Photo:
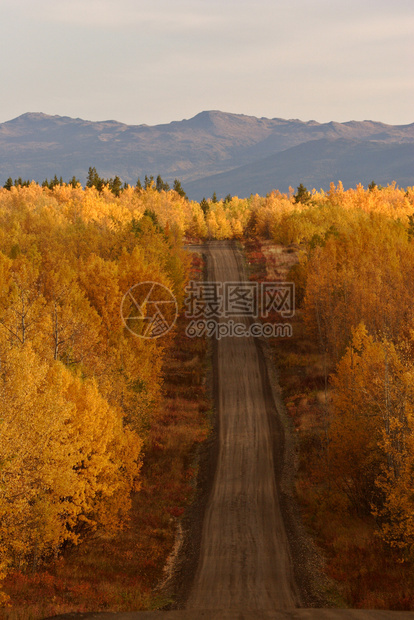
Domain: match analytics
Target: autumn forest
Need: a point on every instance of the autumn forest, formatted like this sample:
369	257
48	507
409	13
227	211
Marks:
100	429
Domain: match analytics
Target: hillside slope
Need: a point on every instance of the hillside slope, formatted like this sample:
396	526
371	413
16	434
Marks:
37	146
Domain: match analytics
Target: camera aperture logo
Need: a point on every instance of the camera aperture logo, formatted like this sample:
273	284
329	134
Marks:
149	310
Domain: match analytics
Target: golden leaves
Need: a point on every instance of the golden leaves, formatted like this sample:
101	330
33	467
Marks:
77	392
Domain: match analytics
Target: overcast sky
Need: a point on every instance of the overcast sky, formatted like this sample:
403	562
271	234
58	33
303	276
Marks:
156	61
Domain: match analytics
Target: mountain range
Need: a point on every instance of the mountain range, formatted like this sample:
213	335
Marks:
212	152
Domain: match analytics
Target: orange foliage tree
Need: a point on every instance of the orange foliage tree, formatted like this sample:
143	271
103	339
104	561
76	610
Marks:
371	435
77	390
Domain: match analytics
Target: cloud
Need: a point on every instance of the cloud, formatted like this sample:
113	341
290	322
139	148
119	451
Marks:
382	28
245	55
115	14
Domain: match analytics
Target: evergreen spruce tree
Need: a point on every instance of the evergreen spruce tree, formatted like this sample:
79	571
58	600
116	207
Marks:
177	187
204	206
93	180
148	181
302	195
161	185
74	182
115	185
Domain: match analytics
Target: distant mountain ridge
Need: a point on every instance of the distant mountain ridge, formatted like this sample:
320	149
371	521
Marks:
213	151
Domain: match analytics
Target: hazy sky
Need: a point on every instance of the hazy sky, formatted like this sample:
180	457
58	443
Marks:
156	61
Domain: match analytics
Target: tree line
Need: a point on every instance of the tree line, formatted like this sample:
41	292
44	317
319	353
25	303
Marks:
93	179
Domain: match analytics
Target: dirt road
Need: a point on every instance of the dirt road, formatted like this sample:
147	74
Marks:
244	562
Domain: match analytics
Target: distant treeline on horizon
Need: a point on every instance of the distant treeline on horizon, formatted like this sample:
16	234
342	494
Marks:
94	180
